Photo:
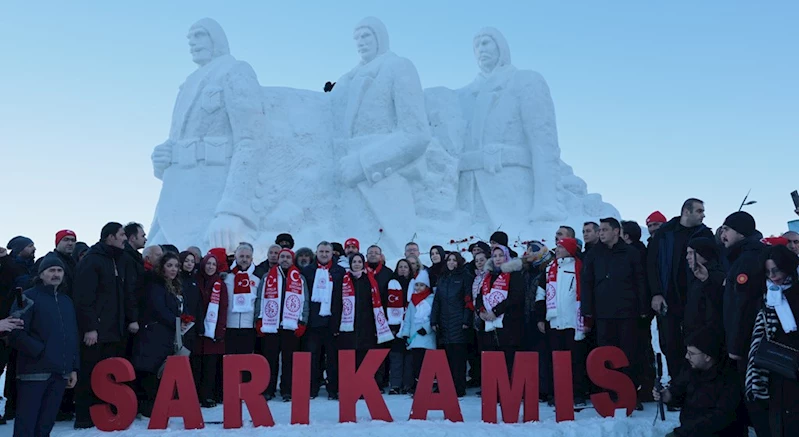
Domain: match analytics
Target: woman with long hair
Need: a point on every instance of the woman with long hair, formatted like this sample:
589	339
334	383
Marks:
400	360
163	305
192	303
213	292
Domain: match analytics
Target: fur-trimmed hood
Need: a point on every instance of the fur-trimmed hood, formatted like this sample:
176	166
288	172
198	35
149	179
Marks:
514	265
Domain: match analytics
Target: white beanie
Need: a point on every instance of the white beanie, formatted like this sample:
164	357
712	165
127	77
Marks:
423	278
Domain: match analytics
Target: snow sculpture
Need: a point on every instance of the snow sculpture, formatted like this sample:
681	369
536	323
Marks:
381	132
209	165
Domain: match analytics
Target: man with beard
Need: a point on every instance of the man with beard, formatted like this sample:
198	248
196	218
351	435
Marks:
668	274
325	279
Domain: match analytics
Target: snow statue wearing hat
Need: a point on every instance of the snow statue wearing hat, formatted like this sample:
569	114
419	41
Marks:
209	163
510	154
381	130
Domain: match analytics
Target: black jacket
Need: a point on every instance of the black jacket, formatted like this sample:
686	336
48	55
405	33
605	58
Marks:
668	272
155	340
705	300
613	283
192	305
7	272
364	335
709	401
69	271
450	314
383	278
743	293
48	344
333	321
134	271
103	301
510	335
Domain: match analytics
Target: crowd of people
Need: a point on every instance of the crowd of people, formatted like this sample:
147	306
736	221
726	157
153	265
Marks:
725	305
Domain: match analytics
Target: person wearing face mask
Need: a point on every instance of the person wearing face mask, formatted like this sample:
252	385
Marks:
156	341
776	323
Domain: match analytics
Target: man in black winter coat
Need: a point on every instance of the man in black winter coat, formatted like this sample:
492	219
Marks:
668	276
614	293
64	246
744	284
106	310
708	391
705	298
323	330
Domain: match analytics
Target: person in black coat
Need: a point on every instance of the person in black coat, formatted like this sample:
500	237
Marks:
614	293
451	318
156	340
192	306
708	391
48	361
437	265
705	300
744	284
507	338
323	330
400	359
105	306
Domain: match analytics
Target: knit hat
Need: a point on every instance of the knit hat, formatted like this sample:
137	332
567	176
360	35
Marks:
287	250
570	244
221	258
482	245
775	241
500	238
285	237
741	222
18	244
423	278
706	247
337	247
352	242
707	340
48	261
64	233
656	217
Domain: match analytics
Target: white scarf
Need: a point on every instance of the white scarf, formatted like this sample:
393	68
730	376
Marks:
775	298
322	290
212	313
273	297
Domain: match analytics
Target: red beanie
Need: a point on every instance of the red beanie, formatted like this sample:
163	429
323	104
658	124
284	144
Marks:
287	250
570	244
656	217
221	258
352	242
775	241
64	233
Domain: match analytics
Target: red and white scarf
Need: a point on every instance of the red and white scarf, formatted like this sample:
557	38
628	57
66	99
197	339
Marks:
423	308
212	313
571	280
396	304
273	300
322	291
493	294
244	289
375	271
348	309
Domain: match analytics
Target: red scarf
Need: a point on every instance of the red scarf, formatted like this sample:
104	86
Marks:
416	298
241	282
326	266
374	271
552	274
289	304
395	299
502	283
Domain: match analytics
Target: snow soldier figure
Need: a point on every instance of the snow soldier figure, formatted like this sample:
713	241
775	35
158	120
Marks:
209	163
381	133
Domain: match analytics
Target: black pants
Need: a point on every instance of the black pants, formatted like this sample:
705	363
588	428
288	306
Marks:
149	384
239	341
672	343
472	356
360	354
10	391
418	358
622	333
646	364
207	376
89	357
456	356
563	340
490	345
38	406
316	340
279	350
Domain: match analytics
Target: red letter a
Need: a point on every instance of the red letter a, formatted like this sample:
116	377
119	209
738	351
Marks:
177	378
251	393
495	383
108	377
611	380
435	366
354	384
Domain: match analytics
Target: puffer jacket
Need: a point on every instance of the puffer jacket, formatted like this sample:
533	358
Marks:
450	313
411	326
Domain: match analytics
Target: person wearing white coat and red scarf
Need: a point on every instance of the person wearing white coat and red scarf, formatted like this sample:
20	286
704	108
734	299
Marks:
559	315
283	306
242	286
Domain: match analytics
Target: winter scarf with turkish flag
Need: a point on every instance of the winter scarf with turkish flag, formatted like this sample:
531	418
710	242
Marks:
348	308
396	304
322	291
273	298
244	289
493	295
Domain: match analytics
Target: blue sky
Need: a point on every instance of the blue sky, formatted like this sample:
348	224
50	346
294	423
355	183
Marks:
655	101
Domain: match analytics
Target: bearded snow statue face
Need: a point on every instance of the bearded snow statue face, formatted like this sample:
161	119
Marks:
200	45
366	42
487	53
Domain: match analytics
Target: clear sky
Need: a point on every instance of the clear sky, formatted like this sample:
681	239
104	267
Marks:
656	101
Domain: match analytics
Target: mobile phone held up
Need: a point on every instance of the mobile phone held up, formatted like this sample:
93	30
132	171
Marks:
795	197
22	306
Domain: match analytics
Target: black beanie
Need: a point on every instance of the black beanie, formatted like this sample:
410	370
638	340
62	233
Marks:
48	261
741	222
500	238
707	340
707	247
285	237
